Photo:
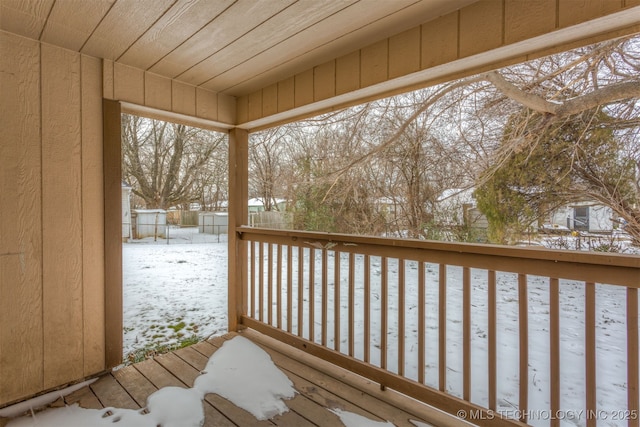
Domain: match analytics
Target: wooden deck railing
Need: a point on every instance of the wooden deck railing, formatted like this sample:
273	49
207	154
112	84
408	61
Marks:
495	335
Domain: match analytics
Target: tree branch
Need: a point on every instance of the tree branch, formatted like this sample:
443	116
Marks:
529	100
601	96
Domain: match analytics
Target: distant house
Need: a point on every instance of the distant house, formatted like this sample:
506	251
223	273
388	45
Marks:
458	206
586	216
257	205
126	212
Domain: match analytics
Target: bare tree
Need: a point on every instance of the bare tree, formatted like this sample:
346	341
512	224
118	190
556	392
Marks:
164	162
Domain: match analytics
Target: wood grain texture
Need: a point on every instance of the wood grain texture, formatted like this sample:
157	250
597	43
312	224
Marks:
21	333
238	63
157	91
526	19
128	84
62	217
27	22
404	53
217	34
348	73
481	27
374	63
109	41
242	106
270	100
324	81
576	11
206	104
71	22
92	216
255	105
183	98
238	215
227	109
286	94
176	26
440	40
303	92
108	79
112	143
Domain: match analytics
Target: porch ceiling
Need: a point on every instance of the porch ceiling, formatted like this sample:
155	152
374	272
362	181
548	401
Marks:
227	46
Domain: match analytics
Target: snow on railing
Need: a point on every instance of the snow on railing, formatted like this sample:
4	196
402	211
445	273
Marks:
495	335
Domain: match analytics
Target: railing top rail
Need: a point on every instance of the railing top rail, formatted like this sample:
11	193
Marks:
558	255
575	265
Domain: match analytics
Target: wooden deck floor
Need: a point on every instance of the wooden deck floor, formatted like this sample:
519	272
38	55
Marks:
320	386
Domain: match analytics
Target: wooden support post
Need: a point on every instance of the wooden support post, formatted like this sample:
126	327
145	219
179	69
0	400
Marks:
112	232
238	215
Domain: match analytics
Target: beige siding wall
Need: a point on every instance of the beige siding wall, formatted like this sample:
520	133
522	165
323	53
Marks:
477	28
135	86
51	210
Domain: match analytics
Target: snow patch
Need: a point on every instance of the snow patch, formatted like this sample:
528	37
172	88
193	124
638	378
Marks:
248	378
41	401
349	419
240	371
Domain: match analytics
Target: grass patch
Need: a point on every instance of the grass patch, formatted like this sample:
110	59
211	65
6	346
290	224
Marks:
178	327
153	350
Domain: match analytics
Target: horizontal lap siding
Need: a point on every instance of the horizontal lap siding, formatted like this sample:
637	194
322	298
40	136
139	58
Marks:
51	242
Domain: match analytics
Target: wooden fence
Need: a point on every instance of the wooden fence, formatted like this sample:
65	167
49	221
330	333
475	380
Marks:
495	335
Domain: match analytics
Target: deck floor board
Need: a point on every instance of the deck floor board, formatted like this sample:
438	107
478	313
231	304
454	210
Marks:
320	388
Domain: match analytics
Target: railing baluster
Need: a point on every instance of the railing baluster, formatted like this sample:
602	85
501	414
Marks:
252	252
336	300
633	394
279	286
492	338
421	322
270	283
289	288
401	319
325	297
261	281
300	291
523	321
466	333
590	351
367	308
384	285
442	327
352	302
312	294
554	348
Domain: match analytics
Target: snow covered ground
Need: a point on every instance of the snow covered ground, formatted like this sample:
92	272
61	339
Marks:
174	290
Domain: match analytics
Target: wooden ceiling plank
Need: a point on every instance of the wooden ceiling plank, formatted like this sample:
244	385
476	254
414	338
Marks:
181	22
24	17
230	25
124	24
71	22
298	19
323	42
